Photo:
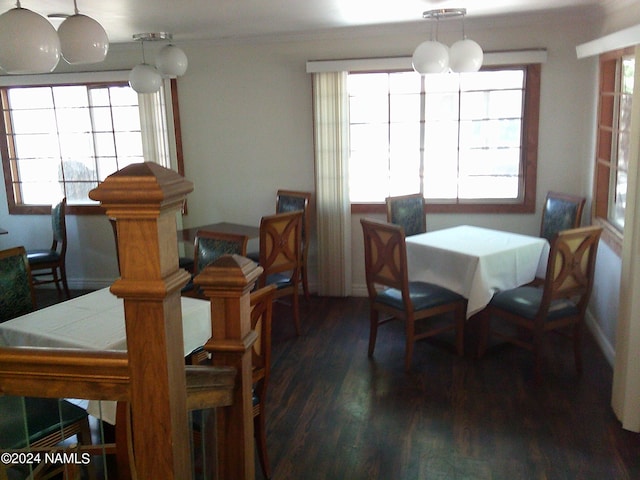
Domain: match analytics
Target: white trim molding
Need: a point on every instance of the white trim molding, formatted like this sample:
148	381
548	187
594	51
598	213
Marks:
614	41
506	57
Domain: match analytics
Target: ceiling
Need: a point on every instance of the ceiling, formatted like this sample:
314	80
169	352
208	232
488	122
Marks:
218	19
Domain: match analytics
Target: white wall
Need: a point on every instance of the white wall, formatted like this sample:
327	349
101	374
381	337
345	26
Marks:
246	116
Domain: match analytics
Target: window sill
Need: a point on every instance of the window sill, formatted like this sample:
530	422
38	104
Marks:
452	208
610	235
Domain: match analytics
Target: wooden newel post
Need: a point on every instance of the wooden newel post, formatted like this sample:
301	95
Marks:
145	199
228	283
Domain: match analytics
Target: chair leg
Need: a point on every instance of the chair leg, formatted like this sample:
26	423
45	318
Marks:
373	330
84	438
296	311
305	283
410	329
261	441
577	347
484	320
460	319
63	277
537	357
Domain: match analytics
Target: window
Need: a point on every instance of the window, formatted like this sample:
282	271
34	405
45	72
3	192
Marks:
467	142
617	71
63	140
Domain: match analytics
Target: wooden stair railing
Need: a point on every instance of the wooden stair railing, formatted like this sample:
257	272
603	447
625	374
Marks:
73	373
144	199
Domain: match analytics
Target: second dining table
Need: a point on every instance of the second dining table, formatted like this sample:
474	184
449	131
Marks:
476	262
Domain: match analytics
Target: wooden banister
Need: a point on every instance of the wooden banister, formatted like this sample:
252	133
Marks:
228	283
60	373
144	199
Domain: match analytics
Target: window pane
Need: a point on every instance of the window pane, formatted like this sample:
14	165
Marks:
29	98
65	97
62	139
33	121
460	136
73	120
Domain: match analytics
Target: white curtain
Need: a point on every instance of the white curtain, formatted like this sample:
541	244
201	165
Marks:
331	135
626	376
153	123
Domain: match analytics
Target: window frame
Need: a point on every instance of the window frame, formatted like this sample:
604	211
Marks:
607	74
530	129
19	209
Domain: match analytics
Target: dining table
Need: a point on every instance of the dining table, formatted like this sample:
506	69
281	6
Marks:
95	321
476	262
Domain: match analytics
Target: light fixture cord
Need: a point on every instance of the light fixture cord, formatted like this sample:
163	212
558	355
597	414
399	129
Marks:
18	4
464	35
75	7
142	47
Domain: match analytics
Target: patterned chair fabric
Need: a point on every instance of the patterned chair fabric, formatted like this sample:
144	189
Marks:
16	289
561	212
209	246
408	212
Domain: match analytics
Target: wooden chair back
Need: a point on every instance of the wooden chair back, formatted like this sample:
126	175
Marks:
571	266
261	315
385	258
16	288
407	211
280	244
562	211
290	201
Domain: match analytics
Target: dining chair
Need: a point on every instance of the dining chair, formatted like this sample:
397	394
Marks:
261	314
392	294
559	304
290	201
408	211
561	211
208	247
49	265
38	424
16	287
30	421
280	257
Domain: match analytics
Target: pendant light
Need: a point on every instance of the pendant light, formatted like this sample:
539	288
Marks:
28	42
82	39
432	56
170	62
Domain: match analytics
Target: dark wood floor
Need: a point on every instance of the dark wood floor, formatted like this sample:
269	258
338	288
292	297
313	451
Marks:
334	413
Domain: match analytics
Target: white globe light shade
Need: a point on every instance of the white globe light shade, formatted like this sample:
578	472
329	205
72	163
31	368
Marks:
465	56
431	57
28	42
82	40
144	78
171	61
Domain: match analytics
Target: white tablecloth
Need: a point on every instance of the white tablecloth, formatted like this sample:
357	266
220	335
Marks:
476	262
96	322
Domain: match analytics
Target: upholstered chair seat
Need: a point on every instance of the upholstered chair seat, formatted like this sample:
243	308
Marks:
422	295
